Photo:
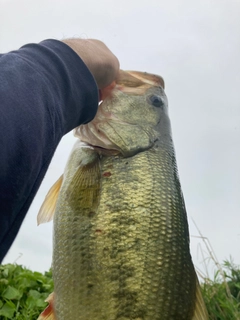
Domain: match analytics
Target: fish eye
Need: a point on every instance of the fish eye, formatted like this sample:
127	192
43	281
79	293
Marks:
156	101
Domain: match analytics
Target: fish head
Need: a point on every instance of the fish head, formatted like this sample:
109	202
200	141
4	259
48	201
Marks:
130	118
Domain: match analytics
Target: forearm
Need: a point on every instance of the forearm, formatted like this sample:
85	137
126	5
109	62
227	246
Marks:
45	91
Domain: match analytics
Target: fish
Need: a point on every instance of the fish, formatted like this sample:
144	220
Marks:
121	237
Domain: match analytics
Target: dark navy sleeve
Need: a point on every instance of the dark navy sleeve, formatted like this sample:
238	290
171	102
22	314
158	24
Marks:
45	91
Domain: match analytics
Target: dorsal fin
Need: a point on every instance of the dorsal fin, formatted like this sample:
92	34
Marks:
48	207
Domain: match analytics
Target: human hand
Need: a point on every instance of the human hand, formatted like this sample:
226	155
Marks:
102	63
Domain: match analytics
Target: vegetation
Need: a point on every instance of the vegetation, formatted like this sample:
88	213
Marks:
222	294
22	292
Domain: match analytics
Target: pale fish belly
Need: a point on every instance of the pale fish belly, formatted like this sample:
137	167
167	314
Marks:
124	253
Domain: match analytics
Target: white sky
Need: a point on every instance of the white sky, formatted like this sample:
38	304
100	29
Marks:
195	46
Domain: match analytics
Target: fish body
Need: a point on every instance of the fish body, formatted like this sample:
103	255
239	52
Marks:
121	240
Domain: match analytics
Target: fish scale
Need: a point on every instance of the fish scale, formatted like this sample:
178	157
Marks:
156	235
121	239
129	255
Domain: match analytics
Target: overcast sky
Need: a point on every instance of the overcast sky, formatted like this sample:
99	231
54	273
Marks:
195	46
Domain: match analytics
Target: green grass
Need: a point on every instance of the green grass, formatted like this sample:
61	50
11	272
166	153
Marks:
23	292
222	294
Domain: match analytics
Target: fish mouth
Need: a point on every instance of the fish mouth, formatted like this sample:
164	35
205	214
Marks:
135	80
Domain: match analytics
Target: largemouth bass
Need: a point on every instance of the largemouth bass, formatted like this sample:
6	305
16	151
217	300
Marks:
121	239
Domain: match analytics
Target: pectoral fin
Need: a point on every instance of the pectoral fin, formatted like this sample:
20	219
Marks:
83	191
48	207
48	313
200	312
